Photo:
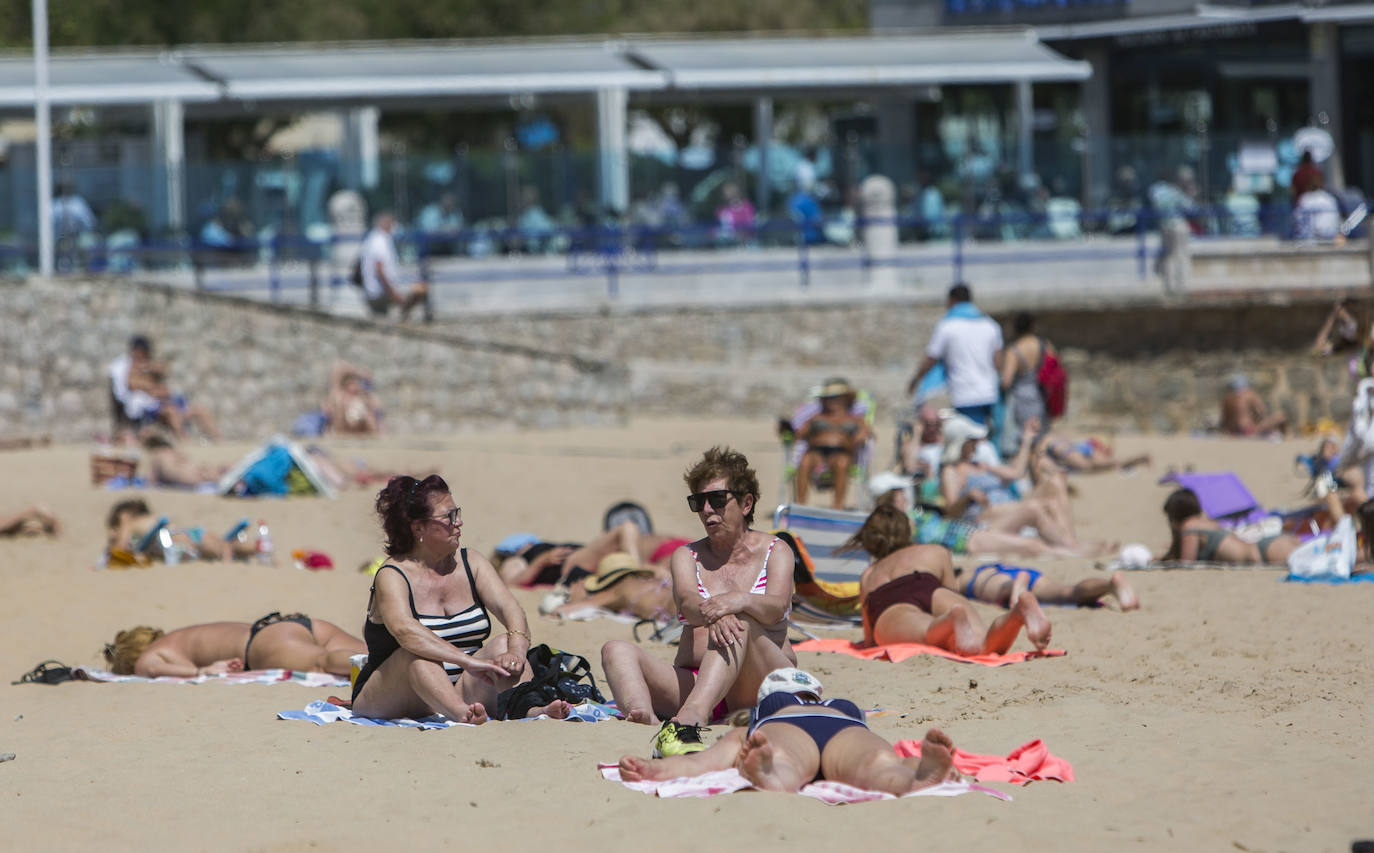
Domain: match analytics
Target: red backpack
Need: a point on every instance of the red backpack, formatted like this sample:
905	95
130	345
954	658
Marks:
1054	382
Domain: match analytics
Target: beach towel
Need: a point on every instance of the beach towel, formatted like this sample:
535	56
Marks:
320	712
898	652
831	793
209	487
1028	763
1223	495
1186	564
252	676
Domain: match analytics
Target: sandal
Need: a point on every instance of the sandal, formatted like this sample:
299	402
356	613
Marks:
47	672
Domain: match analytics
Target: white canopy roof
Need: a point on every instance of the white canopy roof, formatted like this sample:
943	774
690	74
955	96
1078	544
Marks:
378	71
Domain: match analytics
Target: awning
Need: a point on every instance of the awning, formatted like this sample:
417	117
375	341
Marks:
376	72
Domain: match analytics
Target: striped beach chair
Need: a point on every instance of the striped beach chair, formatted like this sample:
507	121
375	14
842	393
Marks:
826	580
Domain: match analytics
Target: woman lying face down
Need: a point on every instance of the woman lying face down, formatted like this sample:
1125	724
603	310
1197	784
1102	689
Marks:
294	641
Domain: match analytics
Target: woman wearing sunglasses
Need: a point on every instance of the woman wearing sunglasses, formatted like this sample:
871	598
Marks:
733	590
429	619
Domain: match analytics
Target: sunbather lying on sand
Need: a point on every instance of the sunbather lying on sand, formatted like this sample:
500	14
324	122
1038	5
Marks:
1198	538
622	586
1086	455
131	521
794	738
907	597
525	561
294	641
34	520
168	466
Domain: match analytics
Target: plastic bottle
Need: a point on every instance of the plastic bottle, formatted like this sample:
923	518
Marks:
266	553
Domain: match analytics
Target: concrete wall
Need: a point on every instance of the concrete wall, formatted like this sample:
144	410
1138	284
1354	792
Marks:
257	367
1145	366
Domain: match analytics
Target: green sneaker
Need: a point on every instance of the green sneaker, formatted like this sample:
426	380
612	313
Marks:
675	738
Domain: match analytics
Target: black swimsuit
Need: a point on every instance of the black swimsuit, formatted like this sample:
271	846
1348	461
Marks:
271	619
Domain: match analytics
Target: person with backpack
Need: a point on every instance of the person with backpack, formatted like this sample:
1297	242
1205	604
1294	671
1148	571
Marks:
1024	364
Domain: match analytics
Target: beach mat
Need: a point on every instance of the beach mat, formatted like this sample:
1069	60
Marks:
898	652
1029	762
320	712
831	793
252	676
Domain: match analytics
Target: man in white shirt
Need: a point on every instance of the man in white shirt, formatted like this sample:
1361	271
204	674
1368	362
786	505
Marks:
969	343
381	271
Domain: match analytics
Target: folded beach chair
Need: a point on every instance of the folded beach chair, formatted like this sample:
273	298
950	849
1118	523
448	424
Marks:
793	448
826	579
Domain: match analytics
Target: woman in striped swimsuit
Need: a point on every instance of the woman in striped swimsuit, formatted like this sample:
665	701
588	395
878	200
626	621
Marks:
428	629
733	590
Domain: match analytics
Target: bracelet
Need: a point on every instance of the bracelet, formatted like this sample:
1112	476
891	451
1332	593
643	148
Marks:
518	634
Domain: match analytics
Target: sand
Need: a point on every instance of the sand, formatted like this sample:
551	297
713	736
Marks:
1228	713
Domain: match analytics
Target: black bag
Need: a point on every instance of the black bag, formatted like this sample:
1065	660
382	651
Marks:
47	672
355	274
553	674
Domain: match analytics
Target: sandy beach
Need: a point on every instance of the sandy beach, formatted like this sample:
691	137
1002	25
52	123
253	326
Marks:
1229	713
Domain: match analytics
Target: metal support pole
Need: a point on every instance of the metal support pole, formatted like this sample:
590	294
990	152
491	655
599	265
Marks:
1025	127
763	139
44	140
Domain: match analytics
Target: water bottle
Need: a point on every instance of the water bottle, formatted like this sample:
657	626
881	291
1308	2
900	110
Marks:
266	553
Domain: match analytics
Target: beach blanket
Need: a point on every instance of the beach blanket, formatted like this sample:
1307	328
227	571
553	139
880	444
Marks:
1361	578
831	793
591	611
209	487
320	712
1186	564
1029	762
898	652
252	676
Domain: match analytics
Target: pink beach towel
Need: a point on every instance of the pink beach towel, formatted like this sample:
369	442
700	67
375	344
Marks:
898	652
831	793
1029	762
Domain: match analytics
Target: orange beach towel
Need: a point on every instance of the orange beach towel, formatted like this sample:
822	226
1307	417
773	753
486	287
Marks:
898	652
1027	763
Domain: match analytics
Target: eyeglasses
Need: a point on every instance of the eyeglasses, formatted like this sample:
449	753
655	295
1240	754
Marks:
453	516
717	498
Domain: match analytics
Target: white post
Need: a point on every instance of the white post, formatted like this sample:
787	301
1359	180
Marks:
44	140
169	134
763	140
361	147
612	106
1025	120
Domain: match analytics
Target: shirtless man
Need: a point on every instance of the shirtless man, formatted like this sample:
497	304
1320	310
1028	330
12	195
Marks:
1244	414
170	467
294	641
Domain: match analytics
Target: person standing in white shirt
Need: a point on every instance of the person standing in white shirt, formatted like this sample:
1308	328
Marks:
969	344
380	269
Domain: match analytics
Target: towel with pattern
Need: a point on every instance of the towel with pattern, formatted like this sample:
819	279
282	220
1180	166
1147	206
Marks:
321	712
252	676
898	652
831	793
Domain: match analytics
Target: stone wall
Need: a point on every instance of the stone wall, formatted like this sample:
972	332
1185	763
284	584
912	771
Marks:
257	367
1147	366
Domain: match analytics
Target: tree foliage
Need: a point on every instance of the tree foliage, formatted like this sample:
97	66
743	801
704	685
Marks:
162	23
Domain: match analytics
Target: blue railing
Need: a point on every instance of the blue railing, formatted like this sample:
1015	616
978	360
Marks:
281	263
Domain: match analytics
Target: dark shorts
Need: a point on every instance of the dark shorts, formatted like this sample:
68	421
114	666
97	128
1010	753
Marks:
380	306
272	619
917	588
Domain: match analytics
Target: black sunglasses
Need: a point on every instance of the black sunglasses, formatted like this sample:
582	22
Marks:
717	499
453	516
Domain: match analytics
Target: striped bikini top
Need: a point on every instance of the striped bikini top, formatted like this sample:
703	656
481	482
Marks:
465	630
760	583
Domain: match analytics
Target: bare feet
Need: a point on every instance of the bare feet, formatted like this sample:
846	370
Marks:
755	763
45	516
967	639
1037	625
937	761
1123	592
642	717
557	709
636	769
474	713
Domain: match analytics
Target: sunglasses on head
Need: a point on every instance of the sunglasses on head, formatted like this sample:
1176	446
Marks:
453	516
717	498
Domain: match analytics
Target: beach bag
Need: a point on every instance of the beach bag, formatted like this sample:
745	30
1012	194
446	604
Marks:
1329	556
1053	381
553	674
